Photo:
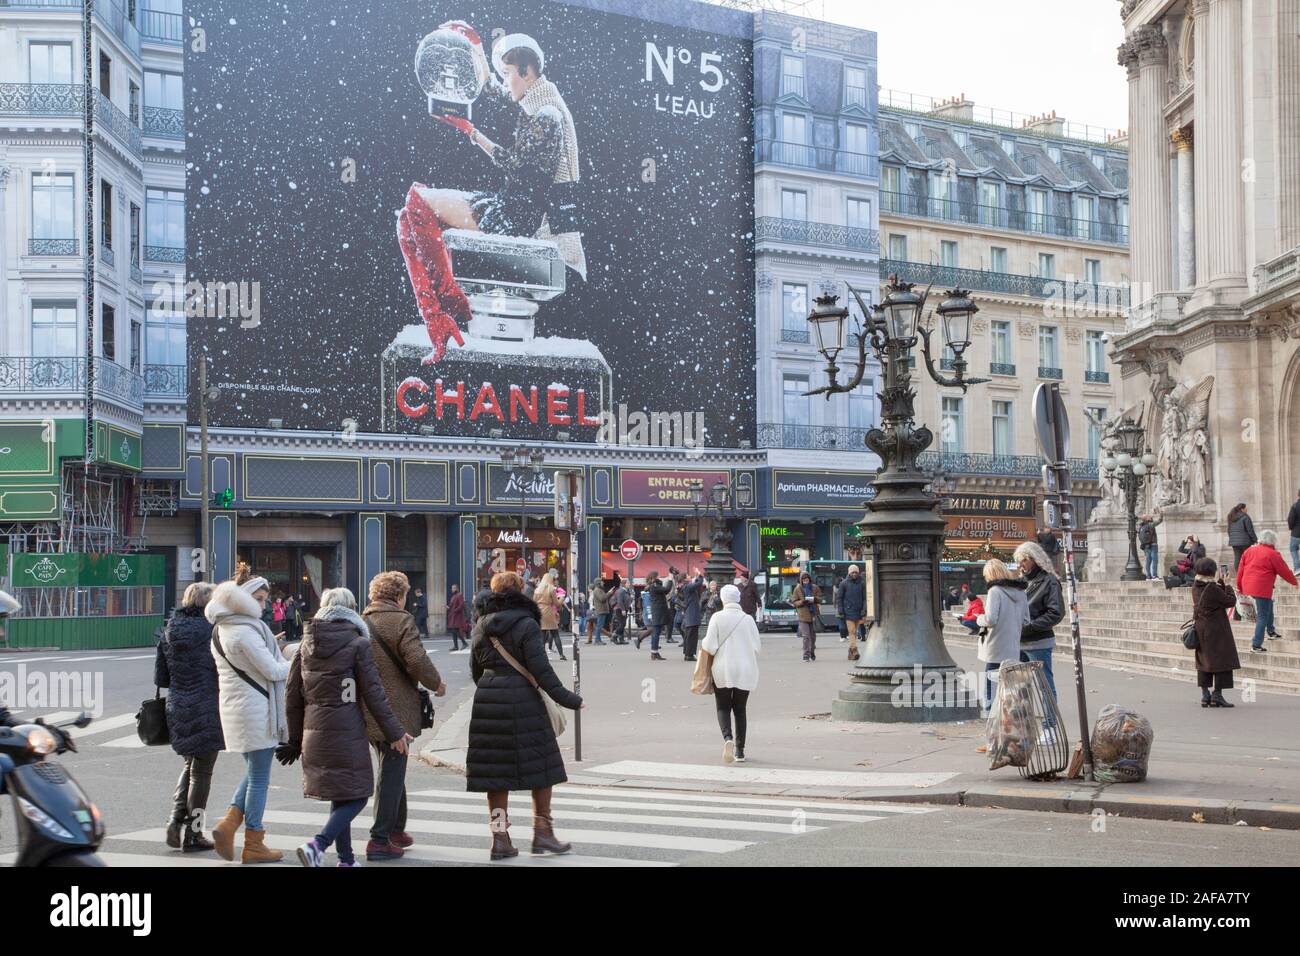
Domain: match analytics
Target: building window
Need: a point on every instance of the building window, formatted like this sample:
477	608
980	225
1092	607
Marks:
1046	265
1048	353
1092	271
1083	217
165	339
1096	418
951	439
856	139
791	75
794	204
794	129
794	403
164	90
1003	441
133	102
54	330
1096	351
794	306
998	259
49	63
961	137
897	246
1038	210
106	214
855	86
1055	153
165	218
53	206
105	75
1001	352
135	235
135	346
990	203
108	333
948	254
862	406
889	186
857	213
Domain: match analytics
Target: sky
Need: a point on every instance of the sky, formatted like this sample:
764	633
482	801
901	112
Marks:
1024	56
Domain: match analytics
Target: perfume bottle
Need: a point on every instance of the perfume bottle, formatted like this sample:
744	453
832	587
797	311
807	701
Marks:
504	378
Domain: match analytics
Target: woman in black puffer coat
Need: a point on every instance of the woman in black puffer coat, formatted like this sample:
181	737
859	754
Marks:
185	667
511	743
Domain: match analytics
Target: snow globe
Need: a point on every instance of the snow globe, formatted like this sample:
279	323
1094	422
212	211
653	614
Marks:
445	68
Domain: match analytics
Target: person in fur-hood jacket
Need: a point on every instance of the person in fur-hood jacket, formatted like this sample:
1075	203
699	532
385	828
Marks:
511	743
251	675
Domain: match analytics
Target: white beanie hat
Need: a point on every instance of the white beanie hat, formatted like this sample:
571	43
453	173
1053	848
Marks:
730	594
255	584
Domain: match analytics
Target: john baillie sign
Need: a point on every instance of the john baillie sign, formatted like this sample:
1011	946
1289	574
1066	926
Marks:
990	506
822	490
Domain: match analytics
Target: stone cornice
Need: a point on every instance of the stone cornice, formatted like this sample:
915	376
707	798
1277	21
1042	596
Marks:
1182	137
1152	50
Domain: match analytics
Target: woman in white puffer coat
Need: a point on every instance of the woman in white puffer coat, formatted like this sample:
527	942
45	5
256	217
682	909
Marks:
251	675
733	641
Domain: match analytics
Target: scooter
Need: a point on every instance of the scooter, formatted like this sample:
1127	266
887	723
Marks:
57	823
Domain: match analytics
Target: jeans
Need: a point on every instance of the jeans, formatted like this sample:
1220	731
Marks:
1295	553
655	629
338	828
731	700
1044	655
191	794
1153	560
250	796
390	794
809	631
969	623
691	639
987	684
844	629
601	621
1263	620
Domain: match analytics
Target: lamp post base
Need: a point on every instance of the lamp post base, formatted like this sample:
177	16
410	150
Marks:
921	695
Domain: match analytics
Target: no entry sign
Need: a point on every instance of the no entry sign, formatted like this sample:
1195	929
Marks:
630	549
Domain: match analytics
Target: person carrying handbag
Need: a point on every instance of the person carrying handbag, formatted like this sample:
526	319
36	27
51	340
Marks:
403	666
512	738
733	645
1216	649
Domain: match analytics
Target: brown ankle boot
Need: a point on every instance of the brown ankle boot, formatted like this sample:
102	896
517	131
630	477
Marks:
256	850
502	848
223	834
544	840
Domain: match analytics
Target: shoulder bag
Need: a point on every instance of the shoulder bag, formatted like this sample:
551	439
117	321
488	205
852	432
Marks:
554	712
151	721
702	678
426	701
216	642
1190	640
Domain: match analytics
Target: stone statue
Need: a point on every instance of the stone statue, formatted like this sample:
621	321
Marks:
1112	492
1182	473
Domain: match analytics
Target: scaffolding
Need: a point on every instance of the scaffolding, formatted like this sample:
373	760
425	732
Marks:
38	537
94	507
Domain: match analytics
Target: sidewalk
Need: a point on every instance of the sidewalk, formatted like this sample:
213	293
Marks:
643	728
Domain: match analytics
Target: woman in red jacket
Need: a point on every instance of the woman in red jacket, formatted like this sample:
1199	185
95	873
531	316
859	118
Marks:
973	611
1258	570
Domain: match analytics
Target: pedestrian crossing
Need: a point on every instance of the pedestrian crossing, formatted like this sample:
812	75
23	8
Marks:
608	826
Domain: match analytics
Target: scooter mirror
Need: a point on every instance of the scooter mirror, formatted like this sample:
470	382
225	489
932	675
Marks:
82	721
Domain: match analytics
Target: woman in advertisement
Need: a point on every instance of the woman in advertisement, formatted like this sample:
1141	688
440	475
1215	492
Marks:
542	153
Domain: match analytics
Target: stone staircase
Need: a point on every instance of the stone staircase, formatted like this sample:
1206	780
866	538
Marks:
1136	626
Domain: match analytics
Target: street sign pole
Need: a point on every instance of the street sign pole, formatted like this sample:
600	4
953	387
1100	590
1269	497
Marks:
575	516
1053	426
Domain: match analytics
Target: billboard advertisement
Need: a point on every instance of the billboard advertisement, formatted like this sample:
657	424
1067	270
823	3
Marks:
521	217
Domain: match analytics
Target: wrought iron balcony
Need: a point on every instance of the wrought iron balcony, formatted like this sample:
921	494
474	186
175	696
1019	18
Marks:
1002	368
1016	466
1101	378
164	123
52	247
165	381
816	437
41	99
824	158
816	234
136	274
794	335
28	374
120	21
161	26
118	123
791	85
113	381
1049	371
1019	220
165	254
1072	295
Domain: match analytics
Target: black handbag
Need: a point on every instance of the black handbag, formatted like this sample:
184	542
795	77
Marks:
151	721
1190	640
426	701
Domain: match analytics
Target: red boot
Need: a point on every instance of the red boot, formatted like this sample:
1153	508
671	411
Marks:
441	302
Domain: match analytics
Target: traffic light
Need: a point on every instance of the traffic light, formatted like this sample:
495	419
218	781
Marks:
224	498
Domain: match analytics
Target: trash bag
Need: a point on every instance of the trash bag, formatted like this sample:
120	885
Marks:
1012	728
1246	607
1121	745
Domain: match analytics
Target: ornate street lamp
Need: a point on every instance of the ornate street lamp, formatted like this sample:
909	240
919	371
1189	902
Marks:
904	523
1130	467
523	461
720	566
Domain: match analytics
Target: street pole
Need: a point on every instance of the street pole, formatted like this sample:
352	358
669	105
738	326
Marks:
523	526
204	491
1132	568
572	480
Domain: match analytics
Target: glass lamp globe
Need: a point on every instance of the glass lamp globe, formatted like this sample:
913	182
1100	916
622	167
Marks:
1148	459
444	67
1139	468
1109	463
1124	459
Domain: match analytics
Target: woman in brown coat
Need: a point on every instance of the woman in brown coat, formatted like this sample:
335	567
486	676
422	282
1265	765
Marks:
548	602
331	674
403	666
1216	649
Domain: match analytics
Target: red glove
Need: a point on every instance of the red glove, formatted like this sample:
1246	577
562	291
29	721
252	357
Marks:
458	122
464	29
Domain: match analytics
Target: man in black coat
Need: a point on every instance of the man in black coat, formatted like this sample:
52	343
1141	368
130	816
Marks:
420	611
1293	522
748	594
